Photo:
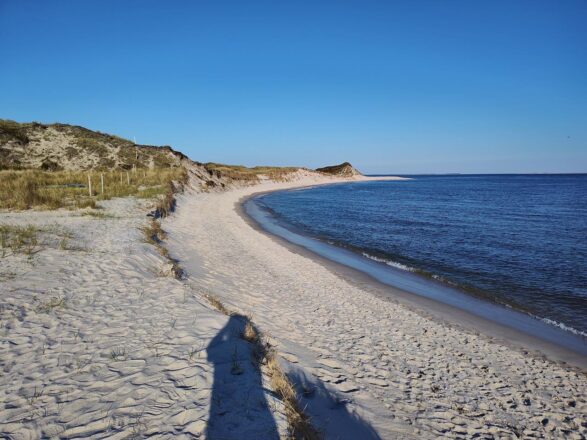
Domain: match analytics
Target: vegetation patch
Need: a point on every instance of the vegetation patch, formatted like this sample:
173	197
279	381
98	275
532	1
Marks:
242	173
265	355
19	239
28	189
98	214
10	130
71	147
30	239
51	304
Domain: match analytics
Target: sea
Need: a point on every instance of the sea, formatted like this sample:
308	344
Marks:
513	241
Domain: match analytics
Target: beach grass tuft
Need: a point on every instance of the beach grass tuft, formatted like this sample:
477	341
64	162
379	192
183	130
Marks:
250	334
153	233
56	302
118	353
265	354
19	239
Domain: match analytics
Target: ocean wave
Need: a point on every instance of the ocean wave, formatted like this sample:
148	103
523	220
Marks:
415	270
401	266
390	263
564	327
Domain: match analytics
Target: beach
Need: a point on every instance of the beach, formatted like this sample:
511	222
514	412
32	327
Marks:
100	340
396	369
108	333
293	220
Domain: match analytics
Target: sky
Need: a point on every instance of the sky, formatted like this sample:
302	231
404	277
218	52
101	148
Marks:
400	87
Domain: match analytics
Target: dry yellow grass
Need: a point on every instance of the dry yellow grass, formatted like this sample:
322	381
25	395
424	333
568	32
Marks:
265	354
214	302
30	239
299	422
153	232
239	172
250	333
18	239
37	189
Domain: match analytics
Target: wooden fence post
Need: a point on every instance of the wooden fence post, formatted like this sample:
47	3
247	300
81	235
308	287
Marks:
127	178
90	184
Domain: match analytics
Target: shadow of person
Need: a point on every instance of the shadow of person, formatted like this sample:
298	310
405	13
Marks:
238	407
329	409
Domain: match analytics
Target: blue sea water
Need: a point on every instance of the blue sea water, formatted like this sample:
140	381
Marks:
517	240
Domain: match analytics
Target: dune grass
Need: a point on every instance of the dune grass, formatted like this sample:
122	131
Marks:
265	355
239	172
31	239
18	239
28	189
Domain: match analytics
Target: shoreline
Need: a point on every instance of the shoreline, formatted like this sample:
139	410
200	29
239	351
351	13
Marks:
367	364
455	316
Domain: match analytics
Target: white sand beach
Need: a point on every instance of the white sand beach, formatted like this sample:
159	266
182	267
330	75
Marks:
100	341
393	368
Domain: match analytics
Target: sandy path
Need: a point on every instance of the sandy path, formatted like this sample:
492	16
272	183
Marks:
392	368
96	344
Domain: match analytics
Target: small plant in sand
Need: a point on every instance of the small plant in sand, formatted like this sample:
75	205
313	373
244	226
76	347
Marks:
82	362
98	214
250	333
55	302
118	353
153	233
77	335
63	243
156	348
19	239
138	425
214	302
35	395
192	352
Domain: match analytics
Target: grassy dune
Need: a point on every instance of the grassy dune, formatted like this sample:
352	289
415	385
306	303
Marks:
28	189
239	172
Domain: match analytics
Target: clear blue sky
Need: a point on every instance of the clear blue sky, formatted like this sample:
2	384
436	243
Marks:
399	87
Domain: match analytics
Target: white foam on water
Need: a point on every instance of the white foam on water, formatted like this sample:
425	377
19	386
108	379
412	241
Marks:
390	263
564	327
439	278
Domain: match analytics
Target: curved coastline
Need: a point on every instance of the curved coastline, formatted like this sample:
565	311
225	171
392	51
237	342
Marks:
398	361
449	305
